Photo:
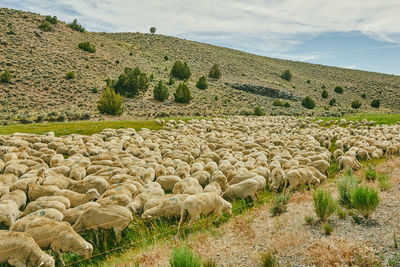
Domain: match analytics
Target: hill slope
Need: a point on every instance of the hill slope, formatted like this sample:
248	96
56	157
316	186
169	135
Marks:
40	60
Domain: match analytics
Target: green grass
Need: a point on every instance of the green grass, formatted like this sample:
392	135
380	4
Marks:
82	127
379	118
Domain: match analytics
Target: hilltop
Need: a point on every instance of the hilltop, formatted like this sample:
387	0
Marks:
39	61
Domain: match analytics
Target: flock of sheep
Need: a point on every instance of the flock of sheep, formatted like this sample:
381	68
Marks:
52	189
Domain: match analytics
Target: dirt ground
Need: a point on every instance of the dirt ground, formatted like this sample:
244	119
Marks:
242	240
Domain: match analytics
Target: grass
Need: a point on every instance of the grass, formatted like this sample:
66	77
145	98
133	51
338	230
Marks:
269	260
384	181
327	228
82	127
365	200
279	204
184	257
379	118
324	204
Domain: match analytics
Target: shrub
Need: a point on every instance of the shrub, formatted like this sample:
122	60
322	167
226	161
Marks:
180	70
87	46
202	83
52	20
269	260
279	205
338	90
209	263
346	184
341	213
365	200
332	102
153	30
324	204
356	219
171	80
364	95
130	83
110	102
5	77
370	174
327	228
95	90
286	75
214	72
76	26
324	94
375	103
384	181
323	86
184	257
277	103
356	104
308	81
70	75
117	61
308	102
45	26
286	105
161	92
182	93
309	220
258	111
166	58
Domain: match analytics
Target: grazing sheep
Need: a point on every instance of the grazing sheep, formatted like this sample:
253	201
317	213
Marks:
90	182
105	217
9	212
244	189
72	215
38	205
52	214
203	204
18	196
19	249
166	208
36	191
187	186
59	237
213	187
120	200
167	182
77	199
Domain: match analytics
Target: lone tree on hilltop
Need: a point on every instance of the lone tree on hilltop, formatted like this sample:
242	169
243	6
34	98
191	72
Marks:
153	30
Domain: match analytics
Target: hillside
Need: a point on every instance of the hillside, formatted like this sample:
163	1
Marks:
39	61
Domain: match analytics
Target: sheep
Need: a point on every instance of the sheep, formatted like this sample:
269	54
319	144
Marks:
167	182
9	212
120	200
36	191
77	172
77	199
8	178
337	153
53	214
72	215
300	176
213	187
20	249
346	161
59	237
244	189
321	165
104	217
167	207
38	205
89	182
18	196
203	204
277	178
202	177
187	186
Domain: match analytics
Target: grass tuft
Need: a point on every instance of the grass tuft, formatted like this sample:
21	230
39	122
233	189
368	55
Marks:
184	257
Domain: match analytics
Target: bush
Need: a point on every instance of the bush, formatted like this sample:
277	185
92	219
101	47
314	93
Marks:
171	80
184	257
258	111
375	103
214	72
45	26
327	228
370	174
308	81
5	77
365	200
87	46
323	86
95	90
110	102
277	103
308	102
332	102
52	20
209	263
324	204
76	26
324	94
338	90
286	105
309	220
153	30
279	205
161	92
269	260
341	214
180	71
364	95
384	181
202	83
166	58
130	83
356	104
347	183
70	75
286	75
182	93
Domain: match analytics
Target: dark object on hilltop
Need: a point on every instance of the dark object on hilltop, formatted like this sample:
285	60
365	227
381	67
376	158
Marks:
153	30
76	26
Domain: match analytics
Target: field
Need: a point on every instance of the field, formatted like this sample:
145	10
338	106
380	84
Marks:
379	118
39	89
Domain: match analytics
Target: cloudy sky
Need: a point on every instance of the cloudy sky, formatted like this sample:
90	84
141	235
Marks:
358	34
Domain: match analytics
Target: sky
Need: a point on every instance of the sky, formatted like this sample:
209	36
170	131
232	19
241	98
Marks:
356	34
